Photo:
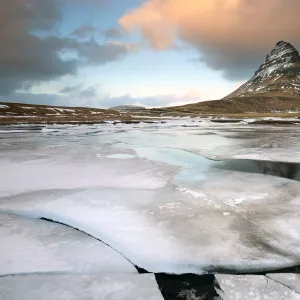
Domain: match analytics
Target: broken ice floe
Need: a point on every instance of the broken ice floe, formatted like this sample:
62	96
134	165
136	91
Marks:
149	194
291	281
170	230
37	246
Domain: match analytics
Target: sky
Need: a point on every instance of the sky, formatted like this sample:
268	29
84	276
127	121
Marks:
104	53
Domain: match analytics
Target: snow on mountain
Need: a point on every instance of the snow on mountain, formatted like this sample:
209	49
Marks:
279	74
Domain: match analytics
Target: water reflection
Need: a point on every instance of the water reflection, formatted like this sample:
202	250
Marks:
279	169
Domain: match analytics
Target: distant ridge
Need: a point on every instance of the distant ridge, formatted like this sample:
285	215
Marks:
32	113
128	107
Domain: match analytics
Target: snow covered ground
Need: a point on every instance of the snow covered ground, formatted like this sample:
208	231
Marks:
150	192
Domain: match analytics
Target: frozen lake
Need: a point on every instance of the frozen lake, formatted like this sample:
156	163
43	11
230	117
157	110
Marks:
183	196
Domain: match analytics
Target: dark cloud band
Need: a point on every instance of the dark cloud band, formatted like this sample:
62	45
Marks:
31	50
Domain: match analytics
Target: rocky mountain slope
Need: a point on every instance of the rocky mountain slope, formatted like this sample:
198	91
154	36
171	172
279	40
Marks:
278	76
275	87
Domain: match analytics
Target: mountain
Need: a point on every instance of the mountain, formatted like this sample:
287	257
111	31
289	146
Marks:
275	87
280	74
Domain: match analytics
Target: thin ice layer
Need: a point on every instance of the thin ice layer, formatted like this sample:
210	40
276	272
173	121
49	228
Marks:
230	222
268	207
252	287
223	141
73	159
49	174
79	287
37	246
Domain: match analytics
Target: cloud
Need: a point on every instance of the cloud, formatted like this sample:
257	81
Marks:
83	98
232	36
30	98
88	93
151	101
91	52
25	57
31	51
70	89
85	31
78	90
113	32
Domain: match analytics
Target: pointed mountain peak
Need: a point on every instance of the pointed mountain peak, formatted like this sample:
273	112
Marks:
283	52
279	75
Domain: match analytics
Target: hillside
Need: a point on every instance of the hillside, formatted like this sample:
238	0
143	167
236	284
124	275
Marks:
279	75
128	108
29	113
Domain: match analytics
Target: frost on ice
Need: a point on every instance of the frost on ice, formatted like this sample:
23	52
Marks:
291	281
253	287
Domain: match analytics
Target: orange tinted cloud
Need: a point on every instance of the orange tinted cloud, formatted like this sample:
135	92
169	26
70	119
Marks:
231	35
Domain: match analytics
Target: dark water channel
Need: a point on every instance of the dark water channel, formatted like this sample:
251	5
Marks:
279	169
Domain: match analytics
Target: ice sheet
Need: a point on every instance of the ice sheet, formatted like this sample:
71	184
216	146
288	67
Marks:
238	141
48	174
79	287
230	223
74	158
36	246
253	287
145	190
